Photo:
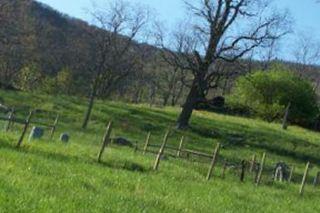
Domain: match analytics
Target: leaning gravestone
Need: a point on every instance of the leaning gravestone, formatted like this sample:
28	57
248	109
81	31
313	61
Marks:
281	172
64	137
36	133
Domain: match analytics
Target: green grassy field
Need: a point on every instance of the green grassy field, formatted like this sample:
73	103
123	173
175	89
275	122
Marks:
49	176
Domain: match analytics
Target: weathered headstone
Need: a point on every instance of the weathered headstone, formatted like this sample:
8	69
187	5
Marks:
64	137
36	133
122	142
281	172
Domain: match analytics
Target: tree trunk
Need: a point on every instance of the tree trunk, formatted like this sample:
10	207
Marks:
285	118
165	99
136	96
91	102
89	109
187	108
152	94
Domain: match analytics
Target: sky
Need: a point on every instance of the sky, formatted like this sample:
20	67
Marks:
306	13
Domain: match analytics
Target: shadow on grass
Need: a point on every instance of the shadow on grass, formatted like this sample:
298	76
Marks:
120	165
125	165
232	135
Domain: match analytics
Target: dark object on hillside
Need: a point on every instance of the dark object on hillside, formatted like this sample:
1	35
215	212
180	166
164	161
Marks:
36	133
133	167
64	137
219	105
213	104
281	172
243	168
218	101
122	142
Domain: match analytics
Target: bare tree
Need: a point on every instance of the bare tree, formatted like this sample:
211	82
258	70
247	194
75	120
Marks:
167	78
171	84
119	24
220	32
306	53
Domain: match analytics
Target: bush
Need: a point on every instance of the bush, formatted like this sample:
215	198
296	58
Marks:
267	93
29	78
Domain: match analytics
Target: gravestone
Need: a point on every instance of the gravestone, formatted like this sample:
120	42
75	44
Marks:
281	172
64	137
164	157
122	142
36	133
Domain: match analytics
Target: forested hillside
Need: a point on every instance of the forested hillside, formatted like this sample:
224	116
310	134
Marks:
53	47
60	52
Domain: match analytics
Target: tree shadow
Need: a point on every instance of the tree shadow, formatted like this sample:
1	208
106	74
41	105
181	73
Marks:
120	165
125	165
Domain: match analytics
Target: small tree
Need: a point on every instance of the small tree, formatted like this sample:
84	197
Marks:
29	78
49	85
268	93
65	81
119	25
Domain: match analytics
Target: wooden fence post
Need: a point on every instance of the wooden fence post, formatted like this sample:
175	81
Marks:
243	168
291	174
258	180
53	129
316	179
252	163
136	147
304	179
10	120
161	150
224	168
180	147
25	128
145	148
213	162
105	141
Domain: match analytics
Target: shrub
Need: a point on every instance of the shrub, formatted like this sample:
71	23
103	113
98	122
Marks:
29	78
267	93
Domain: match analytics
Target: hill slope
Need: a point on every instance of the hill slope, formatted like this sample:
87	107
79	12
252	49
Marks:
48	176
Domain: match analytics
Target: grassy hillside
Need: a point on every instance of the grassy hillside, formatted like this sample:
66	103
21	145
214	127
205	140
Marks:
49	176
